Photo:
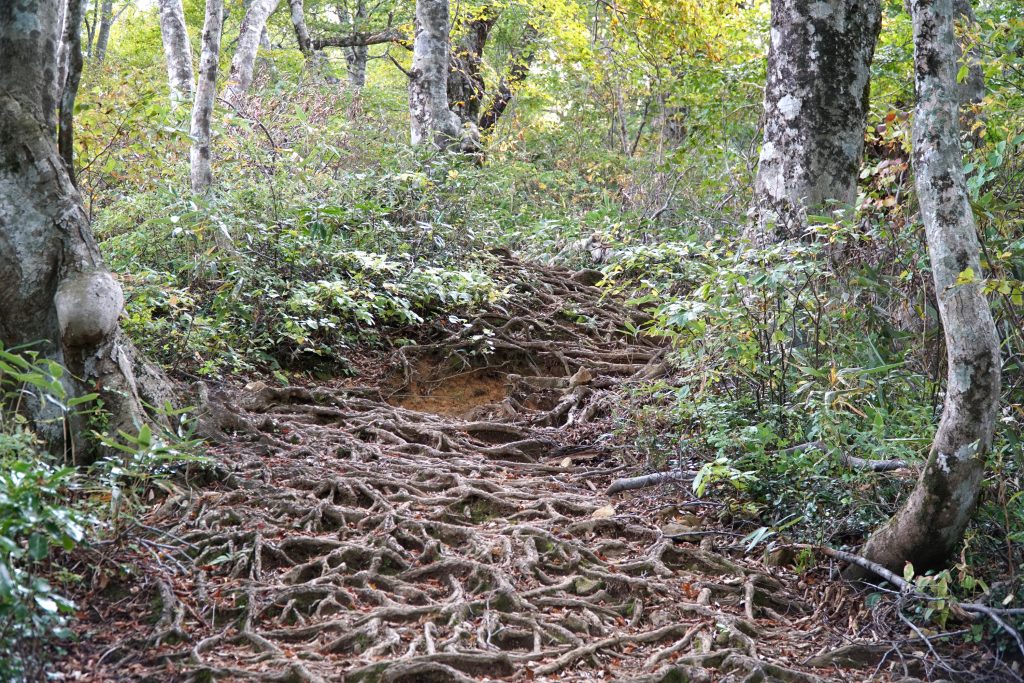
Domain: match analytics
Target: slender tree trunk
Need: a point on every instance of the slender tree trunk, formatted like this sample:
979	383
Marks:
315	60
298	15
177	50
242	63
356	58
58	296
357	55
465	82
206	94
931	524
106	21
815	111
433	123
69	90
519	67
61	73
971	89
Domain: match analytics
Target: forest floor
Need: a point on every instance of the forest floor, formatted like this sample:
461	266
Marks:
444	517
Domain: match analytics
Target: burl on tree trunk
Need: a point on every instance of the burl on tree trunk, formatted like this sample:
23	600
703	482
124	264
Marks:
930	526
59	299
815	112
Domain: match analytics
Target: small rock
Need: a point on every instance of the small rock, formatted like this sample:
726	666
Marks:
779	557
603	512
582	376
587	276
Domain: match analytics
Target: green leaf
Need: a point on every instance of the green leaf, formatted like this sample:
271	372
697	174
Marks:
47	603
38	546
908	572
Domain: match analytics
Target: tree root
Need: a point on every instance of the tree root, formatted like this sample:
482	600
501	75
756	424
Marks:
360	540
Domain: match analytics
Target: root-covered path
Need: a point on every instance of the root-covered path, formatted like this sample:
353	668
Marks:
447	522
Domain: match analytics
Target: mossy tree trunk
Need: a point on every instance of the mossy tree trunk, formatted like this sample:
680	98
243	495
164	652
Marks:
815	111
930	525
58	297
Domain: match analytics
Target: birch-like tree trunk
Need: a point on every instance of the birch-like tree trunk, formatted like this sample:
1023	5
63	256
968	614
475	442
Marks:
316	62
206	95
432	121
58	297
815	111
177	50
103	37
931	524
253	25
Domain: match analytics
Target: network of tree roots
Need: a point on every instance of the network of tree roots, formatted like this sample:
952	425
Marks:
446	521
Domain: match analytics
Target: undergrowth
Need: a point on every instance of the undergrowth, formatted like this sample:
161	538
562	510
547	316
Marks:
50	511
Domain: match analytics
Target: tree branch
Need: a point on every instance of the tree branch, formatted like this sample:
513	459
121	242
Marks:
388	35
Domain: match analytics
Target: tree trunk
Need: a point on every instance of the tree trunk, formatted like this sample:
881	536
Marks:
465	82
106	21
356	56
206	94
58	296
518	67
315	60
931	524
69	90
433	123
255	21
177	50
815	111
61	73
971	90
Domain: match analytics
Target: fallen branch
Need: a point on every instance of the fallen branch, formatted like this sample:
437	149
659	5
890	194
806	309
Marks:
630	483
851	461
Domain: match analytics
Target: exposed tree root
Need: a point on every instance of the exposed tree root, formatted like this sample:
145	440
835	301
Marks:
354	538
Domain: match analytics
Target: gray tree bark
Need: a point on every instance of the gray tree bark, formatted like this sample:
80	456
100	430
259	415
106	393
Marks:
815	108
433	123
466	88
72	39
972	88
103	37
356	56
253	25
519	63
931	524
177	50
206	95
316	62
58	297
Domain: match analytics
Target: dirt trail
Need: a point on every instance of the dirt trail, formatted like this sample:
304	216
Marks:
448	523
